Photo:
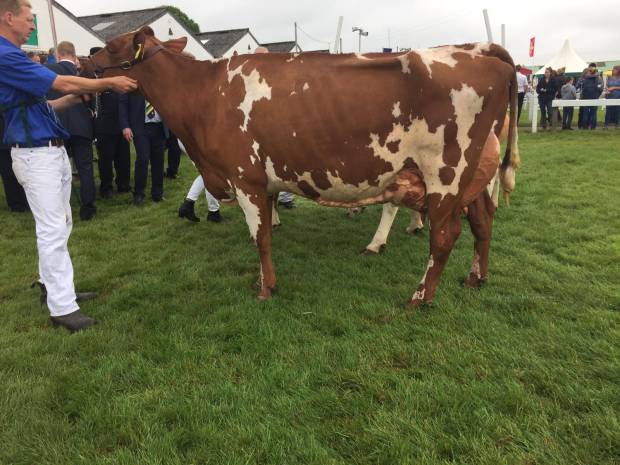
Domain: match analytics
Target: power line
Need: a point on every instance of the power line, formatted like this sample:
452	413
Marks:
314	38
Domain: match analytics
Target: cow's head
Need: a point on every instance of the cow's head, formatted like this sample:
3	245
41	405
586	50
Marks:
123	53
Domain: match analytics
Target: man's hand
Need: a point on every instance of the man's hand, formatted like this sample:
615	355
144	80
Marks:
128	134
122	84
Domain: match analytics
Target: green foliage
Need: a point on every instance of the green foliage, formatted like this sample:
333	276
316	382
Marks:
186	367
188	22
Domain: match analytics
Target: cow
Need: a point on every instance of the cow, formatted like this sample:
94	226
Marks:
342	130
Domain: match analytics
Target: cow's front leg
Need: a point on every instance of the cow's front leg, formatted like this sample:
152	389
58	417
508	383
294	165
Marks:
443	234
480	216
257	210
380	239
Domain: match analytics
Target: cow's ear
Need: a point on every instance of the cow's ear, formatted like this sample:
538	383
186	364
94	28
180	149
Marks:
176	45
141	35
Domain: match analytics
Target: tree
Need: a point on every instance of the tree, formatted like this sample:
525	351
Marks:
185	20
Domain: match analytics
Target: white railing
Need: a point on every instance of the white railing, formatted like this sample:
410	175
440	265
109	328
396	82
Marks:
559	103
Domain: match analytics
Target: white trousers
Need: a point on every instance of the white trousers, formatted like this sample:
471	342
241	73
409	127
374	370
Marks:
45	175
286	197
194	192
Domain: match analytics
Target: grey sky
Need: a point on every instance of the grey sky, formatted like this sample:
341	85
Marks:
592	27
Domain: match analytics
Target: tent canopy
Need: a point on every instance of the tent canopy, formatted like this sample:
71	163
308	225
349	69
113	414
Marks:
566	58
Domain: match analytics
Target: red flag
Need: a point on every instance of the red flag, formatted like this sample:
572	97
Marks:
532	44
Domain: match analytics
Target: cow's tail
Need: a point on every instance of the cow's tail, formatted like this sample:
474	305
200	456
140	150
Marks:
512	160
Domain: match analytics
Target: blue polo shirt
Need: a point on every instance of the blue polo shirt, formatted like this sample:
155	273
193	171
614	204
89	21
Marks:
21	81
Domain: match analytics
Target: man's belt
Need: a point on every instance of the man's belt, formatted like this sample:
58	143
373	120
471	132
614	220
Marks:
56	142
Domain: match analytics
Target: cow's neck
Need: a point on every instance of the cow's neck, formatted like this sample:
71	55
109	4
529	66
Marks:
177	88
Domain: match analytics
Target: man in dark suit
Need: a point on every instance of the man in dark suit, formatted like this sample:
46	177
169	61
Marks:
112	147
13	191
142	124
174	156
78	121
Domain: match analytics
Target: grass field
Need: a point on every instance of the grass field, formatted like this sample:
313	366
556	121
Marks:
186	367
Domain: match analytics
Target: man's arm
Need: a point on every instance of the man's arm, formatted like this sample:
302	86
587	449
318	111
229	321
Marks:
64	102
78	85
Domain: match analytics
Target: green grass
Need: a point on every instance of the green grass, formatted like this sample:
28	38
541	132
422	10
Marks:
186	367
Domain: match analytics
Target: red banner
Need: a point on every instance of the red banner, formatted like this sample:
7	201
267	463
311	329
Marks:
532	44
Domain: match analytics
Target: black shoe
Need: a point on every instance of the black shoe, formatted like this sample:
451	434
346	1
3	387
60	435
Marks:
186	210
159	199
107	195
215	217
287	205
138	200
170	175
75	321
79	296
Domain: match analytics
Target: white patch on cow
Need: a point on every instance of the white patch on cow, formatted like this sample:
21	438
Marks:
223	94
404	60
306	87
285	168
240	169
235	72
490	87
467	104
359	56
291	59
445	55
396	110
256	89
293	93
419	295
430	264
253	159
251	212
274	182
294	134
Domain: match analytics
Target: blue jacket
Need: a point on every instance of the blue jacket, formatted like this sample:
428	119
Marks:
131	109
591	87
77	119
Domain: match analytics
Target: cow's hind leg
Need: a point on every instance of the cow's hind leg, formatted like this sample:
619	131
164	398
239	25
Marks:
480	216
380	239
444	231
257	210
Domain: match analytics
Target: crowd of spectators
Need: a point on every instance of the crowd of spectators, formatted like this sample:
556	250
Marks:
590	85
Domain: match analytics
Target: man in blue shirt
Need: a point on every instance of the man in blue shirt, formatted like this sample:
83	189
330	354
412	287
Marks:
39	158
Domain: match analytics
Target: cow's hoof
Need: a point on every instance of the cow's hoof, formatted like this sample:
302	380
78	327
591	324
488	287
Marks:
417	304
368	251
414	231
265	294
473	281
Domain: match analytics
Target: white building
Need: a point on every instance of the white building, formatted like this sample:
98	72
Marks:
165	26
224	44
68	27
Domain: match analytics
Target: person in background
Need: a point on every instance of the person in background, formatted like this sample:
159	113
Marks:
174	156
568	92
114	158
612	113
142	124
13	191
546	92
186	210
522	88
40	160
34	57
51	56
78	121
591	89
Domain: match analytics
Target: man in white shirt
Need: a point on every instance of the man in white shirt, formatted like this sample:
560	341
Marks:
522	87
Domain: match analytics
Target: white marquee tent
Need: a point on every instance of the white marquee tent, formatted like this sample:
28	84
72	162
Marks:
565	58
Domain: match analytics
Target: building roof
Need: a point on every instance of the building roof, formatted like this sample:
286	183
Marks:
77	20
110	25
280	47
219	42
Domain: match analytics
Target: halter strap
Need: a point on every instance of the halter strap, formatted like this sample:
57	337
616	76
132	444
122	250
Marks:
141	55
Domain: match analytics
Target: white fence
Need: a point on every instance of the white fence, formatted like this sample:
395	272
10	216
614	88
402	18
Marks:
559	103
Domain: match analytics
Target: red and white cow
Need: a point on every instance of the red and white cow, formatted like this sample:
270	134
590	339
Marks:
343	130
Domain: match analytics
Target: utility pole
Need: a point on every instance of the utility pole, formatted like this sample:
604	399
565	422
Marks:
504	35
361	33
487	23
53	24
296	45
338	32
